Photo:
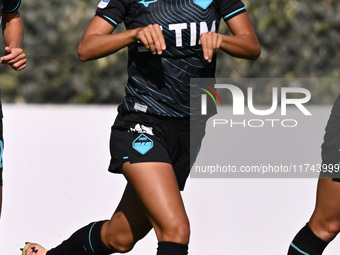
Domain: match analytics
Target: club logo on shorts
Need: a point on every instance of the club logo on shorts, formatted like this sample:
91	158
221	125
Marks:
203	3
142	144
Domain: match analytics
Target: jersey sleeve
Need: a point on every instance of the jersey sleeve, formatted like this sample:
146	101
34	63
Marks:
11	6
230	8
113	11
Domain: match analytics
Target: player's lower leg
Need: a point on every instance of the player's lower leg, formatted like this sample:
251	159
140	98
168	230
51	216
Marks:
324	224
86	241
306	242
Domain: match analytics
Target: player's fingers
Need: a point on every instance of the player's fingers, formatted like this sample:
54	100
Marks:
17	65
150	40
145	36
154	43
158	38
216	41
209	51
7	59
141	38
157	42
12	55
13	58
20	65
204	45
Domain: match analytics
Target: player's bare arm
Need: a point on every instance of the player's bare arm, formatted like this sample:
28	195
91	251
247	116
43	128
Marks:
242	44
98	40
13	36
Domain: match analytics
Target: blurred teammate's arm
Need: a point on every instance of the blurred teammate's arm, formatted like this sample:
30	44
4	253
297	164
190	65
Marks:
13	31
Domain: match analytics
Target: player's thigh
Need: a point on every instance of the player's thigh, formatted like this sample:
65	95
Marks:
156	186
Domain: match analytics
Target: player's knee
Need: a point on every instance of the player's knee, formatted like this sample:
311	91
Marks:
326	229
183	232
332	228
116	239
176	231
121	243
122	248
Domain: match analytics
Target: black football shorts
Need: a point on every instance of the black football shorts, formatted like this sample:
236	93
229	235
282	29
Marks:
330	167
139	137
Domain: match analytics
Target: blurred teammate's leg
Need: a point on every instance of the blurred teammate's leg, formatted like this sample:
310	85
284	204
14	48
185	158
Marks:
324	224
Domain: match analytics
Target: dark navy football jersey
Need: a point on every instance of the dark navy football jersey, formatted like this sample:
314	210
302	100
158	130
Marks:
160	84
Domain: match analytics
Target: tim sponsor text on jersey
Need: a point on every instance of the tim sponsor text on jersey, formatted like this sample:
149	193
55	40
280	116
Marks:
192	26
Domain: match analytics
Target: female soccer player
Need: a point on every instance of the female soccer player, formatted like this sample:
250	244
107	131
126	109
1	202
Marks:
169	42
324	224
14	56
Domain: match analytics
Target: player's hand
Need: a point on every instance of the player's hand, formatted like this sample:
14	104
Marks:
211	42
15	57
152	38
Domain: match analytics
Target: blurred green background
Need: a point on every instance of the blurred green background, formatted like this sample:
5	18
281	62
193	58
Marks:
299	39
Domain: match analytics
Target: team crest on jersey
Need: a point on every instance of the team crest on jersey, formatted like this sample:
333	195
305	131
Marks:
203	3
103	4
